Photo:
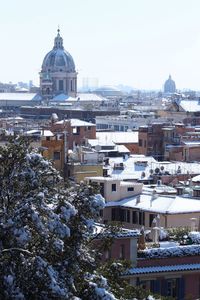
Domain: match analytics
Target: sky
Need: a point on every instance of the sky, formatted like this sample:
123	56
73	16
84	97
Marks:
130	42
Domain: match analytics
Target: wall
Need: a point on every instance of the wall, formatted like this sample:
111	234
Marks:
54	146
192	286
132	147
114	252
143	136
181	219
73	138
80	171
194	154
121	190
169	261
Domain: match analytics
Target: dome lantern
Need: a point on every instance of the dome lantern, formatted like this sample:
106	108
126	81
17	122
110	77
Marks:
58	41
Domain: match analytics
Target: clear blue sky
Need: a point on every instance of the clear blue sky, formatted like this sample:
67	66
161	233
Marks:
133	42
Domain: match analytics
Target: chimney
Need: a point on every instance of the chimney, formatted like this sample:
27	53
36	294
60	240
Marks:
138	199
155	234
180	190
153	197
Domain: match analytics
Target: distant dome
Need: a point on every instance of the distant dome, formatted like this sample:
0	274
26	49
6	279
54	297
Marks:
169	86
58	59
108	88
108	91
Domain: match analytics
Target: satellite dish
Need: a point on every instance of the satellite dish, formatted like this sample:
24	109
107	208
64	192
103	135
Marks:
97	148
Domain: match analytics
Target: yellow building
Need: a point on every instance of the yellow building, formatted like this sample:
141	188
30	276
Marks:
79	171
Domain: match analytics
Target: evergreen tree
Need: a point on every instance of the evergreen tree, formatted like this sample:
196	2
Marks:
44	228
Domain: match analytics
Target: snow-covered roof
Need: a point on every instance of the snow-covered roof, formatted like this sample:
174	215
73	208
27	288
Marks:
102	178
195	236
89	97
159	204
189	105
20	97
39	132
63	97
80	97
95	142
176	251
161	269
17	118
135	165
121	149
118	137
76	123
191	143
160	189
196	178
100	230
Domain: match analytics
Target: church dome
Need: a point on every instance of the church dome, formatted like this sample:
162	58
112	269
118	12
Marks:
58	59
169	86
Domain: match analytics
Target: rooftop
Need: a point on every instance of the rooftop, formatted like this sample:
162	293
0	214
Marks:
76	123
189	105
20	97
159	204
135	165
161	269
118	137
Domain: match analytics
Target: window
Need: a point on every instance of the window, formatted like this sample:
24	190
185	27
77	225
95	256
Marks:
76	130
135	217
56	155
145	284
141	218
128	216
151	217
61	85
145	143
130	189
140	143
48	138
125	215
122	215
102	188
113	214
116	127
107	254
114	188
172	287
71	85
122	252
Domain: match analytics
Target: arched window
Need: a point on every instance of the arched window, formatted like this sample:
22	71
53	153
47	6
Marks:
71	85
